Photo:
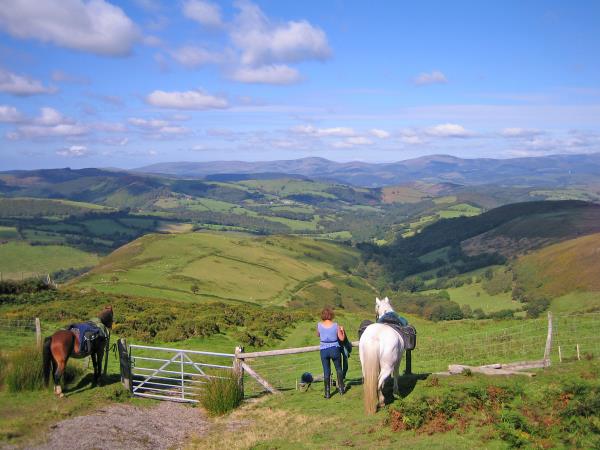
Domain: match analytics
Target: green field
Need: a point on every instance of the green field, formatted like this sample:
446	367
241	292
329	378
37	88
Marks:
476	297
17	257
8	233
223	266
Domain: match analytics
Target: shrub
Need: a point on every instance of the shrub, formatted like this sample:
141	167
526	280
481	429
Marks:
24	370
221	394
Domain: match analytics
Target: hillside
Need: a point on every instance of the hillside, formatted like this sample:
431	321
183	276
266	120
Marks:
231	267
556	170
458	245
559	269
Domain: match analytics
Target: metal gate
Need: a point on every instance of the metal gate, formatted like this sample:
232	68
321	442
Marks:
174	374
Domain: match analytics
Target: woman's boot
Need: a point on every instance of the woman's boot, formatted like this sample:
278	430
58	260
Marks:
327	382
340	383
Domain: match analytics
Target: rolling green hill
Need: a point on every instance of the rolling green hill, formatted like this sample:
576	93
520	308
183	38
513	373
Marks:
559	269
231	267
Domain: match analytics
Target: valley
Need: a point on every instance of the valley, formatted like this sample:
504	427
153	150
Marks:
249	260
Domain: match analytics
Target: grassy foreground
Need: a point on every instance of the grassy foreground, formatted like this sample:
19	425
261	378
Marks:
553	410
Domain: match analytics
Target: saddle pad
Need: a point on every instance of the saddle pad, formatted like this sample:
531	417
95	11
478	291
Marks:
408	332
86	332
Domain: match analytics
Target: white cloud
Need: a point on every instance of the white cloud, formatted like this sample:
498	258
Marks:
61	76
197	100
324	132
73	151
381	134
147	123
21	85
192	56
51	117
262	42
352	142
204	12
110	127
60	130
434	77
50	123
449	130
9	114
157	126
520	132
272	74
91	26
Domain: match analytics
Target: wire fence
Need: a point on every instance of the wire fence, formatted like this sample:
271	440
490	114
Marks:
523	341
15	333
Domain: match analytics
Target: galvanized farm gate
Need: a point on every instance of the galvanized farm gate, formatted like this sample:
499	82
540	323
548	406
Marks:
170	373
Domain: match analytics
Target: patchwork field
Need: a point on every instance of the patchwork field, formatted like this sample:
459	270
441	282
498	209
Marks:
226	266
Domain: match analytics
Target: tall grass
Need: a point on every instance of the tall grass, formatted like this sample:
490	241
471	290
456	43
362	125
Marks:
221	395
23	370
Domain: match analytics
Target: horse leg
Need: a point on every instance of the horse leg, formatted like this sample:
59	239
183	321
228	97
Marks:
396	377
58	373
384	373
94	358
100	359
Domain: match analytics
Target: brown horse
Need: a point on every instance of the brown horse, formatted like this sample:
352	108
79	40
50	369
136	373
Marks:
66	343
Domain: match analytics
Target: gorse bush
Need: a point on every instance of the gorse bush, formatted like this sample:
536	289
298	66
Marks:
23	370
221	394
560	415
147	320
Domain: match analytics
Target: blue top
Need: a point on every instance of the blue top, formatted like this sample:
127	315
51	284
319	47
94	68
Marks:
329	336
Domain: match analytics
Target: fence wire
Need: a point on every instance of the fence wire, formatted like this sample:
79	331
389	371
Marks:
523	341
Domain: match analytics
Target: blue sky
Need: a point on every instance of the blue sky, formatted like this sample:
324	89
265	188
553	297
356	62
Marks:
125	84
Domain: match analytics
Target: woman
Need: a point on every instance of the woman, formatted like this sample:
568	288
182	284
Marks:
329	332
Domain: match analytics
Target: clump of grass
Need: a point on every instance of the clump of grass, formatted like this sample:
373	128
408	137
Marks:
221	394
3	364
23	370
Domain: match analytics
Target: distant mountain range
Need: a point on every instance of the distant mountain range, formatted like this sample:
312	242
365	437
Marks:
556	170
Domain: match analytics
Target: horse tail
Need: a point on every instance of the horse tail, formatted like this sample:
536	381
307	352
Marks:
370	367
47	358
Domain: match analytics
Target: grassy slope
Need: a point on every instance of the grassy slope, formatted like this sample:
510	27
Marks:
16	257
306	421
225	266
468	295
562	268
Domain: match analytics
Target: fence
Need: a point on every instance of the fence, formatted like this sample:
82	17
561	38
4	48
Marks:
549	340
14	332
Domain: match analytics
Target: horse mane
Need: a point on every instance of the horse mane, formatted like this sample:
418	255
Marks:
106	316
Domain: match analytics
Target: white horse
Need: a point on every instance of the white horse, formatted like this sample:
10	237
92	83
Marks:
381	351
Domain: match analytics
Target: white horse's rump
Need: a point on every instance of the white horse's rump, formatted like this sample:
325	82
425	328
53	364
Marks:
380	350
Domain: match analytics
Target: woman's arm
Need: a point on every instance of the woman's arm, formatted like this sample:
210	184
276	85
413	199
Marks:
341	333
318	334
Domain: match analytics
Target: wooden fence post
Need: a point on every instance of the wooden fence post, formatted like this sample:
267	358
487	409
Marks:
38	333
125	364
559	354
238	368
548	348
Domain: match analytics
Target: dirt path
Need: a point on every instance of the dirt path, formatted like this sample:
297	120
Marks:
165	426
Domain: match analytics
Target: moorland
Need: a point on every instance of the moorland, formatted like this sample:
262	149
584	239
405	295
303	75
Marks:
221	255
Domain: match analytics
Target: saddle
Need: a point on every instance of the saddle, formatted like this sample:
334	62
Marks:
86	333
399	324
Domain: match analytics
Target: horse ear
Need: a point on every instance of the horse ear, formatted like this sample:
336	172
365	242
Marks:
387	299
377	300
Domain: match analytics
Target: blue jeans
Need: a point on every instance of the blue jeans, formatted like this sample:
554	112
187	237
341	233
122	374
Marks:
328	354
